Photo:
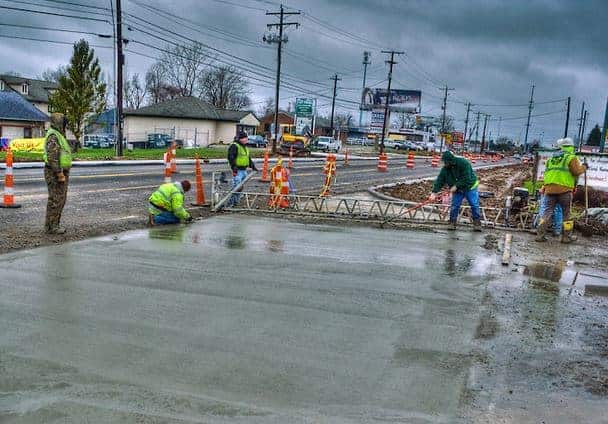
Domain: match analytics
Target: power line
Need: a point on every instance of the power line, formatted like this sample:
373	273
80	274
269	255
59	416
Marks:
29	3
44	40
53	29
77	4
20	9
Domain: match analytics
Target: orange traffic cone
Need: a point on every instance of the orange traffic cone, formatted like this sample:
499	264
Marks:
290	162
435	161
409	164
382	162
8	200
167	160
200	191
173	158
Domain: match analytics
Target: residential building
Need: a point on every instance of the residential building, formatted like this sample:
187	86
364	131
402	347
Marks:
19	118
35	91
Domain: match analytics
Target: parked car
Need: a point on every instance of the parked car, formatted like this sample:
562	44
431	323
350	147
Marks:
328	144
95	141
390	143
256	141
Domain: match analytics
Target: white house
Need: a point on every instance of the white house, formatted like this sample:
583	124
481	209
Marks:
190	119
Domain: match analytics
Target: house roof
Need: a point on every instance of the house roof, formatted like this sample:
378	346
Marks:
38	90
104	118
13	107
188	108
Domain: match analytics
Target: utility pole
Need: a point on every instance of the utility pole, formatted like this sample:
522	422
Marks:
483	137
580	127
530	106
583	131
333	102
567	118
444	107
279	40
366	61
466	123
391	62
499	125
119	67
477	128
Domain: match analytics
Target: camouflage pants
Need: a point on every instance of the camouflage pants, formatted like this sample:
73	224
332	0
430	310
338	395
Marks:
57	195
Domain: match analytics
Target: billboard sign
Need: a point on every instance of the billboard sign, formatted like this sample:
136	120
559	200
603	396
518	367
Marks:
377	121
304	114
407	101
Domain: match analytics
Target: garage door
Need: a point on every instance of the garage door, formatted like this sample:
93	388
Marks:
12	132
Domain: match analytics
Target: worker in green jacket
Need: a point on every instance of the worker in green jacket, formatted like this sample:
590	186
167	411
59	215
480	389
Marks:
457	173
167	204
57	164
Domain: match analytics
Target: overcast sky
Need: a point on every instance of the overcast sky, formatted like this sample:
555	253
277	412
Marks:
489	52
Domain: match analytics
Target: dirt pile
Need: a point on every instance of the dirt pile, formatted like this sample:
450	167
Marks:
498	181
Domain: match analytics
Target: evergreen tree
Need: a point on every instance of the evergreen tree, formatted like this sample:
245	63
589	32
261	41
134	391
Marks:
595	136
81	90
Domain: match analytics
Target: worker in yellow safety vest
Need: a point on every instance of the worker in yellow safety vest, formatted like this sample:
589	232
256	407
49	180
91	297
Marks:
167	204
239	160
560	177
57	163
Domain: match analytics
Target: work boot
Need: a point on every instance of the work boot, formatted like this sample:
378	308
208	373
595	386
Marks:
541	233
477	225
151	220
56	230
452	226
568	237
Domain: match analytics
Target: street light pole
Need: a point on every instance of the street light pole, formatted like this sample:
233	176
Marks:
391	62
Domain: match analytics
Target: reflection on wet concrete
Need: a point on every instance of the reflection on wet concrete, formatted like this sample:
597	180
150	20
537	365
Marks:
310	324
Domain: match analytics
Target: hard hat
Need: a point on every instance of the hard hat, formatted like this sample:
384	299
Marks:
563	142
186	185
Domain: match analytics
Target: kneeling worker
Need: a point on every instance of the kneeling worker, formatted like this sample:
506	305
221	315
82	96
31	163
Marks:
457	173
167	204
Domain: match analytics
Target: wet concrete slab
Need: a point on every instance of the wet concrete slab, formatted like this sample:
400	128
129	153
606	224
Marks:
240	319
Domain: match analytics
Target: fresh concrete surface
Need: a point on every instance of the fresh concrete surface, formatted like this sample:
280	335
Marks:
247	320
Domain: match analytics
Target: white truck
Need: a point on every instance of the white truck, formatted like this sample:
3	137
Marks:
328	144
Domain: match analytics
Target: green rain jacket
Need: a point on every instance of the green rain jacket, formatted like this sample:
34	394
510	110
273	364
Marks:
169	198
458	172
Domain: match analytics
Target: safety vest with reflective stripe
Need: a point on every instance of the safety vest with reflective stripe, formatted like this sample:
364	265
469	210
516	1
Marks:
169	197
242	156
558	171
65	154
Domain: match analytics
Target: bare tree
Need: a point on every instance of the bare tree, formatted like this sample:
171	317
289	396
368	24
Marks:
225	88
157	88
53	75
267	107
183	66
134	92
343	120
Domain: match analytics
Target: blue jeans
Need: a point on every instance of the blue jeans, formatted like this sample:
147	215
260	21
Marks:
241	174
472	197
165	218
558	215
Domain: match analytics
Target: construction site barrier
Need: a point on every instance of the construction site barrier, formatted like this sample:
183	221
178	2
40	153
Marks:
435	161
409	164
174	158
264	178
290	162
167	160
382	162
198	177
330	174
8	199
279	187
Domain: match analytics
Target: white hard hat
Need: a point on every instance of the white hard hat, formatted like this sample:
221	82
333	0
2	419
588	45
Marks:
562	142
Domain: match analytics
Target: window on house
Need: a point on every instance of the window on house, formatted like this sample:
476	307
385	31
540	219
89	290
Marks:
24	88
27	132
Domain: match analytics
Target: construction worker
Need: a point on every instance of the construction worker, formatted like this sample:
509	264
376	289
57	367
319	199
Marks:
561	173
167	204
239	160
57	164
457	173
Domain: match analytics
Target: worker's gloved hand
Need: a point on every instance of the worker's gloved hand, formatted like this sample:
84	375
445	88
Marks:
433	197
234	172
61	177
453	189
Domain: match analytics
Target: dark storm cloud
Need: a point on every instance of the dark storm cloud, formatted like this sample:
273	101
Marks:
490	52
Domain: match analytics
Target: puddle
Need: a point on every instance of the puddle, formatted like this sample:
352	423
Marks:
545	271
